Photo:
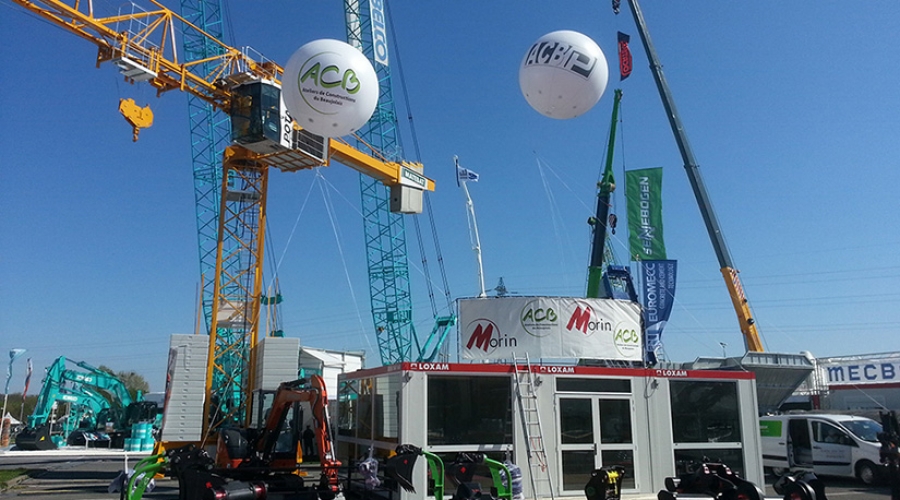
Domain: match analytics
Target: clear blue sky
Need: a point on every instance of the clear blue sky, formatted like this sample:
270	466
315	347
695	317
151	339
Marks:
791	108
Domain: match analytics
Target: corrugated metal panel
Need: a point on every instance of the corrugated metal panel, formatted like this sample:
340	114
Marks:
187	388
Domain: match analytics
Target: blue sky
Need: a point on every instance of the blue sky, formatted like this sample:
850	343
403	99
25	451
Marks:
791	109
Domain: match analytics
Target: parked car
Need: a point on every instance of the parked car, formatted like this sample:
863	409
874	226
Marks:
827	444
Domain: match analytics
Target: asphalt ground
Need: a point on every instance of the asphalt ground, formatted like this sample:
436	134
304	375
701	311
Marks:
73	475
86	475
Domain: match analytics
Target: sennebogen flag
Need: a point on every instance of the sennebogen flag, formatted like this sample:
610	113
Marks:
645	227
657	294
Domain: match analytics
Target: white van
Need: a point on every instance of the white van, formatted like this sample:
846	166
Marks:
830	445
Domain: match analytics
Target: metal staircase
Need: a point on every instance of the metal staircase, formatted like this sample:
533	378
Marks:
531	426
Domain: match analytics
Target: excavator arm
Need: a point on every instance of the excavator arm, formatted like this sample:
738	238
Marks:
310	391
247	458
79	391
99	379
49	392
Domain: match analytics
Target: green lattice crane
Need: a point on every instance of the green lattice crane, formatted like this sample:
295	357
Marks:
385	232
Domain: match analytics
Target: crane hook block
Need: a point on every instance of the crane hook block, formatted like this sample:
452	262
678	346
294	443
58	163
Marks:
137	116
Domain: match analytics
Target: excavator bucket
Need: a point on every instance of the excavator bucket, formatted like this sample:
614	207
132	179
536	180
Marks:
400	468
35	438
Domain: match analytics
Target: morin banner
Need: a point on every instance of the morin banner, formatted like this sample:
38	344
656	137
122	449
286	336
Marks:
657	295
550	327
645	227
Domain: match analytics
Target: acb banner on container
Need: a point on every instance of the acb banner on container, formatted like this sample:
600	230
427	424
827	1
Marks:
550	327
645	226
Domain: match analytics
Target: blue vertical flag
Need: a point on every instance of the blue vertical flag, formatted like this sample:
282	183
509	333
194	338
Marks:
657	294
13	355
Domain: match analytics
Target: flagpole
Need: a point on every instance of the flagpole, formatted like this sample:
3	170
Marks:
28	371
476	240
3	415
13	356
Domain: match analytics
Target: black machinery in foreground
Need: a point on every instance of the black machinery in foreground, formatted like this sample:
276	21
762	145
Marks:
719	482
252	463
889	437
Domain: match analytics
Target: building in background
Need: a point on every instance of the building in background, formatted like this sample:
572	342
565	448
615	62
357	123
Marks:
328	365
859	383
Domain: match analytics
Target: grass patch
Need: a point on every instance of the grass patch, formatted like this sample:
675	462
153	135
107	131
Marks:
9	475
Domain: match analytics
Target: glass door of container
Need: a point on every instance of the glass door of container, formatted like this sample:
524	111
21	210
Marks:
594	431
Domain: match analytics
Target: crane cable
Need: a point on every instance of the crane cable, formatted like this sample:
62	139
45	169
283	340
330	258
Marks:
332	218
427	200
273	289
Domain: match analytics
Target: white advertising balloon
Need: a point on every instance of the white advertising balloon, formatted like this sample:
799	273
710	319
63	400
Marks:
563	75
329	88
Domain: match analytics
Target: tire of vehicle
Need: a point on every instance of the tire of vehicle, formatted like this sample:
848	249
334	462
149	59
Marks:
866	472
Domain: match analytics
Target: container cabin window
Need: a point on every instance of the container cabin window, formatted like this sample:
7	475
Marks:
348	408
687	460
469	410
705	412
368	409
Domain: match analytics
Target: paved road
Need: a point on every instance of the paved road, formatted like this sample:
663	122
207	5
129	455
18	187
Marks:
74	475
86	476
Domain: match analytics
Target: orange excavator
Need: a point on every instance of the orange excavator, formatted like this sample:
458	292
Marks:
255	463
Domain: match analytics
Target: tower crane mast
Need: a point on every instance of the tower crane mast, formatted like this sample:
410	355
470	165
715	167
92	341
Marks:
210	133
385	231
247	87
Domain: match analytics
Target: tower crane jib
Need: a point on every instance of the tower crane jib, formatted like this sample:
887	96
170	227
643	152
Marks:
142	45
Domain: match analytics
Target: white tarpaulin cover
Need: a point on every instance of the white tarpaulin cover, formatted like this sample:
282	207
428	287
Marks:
550	327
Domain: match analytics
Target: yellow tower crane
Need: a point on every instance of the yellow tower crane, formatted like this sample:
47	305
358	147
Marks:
141	44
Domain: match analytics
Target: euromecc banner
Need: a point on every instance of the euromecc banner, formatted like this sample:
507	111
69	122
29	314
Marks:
550	327
656	295
645	225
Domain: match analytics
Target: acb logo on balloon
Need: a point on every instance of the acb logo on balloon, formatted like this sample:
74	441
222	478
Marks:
331	89
561	55
563	74
323	85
